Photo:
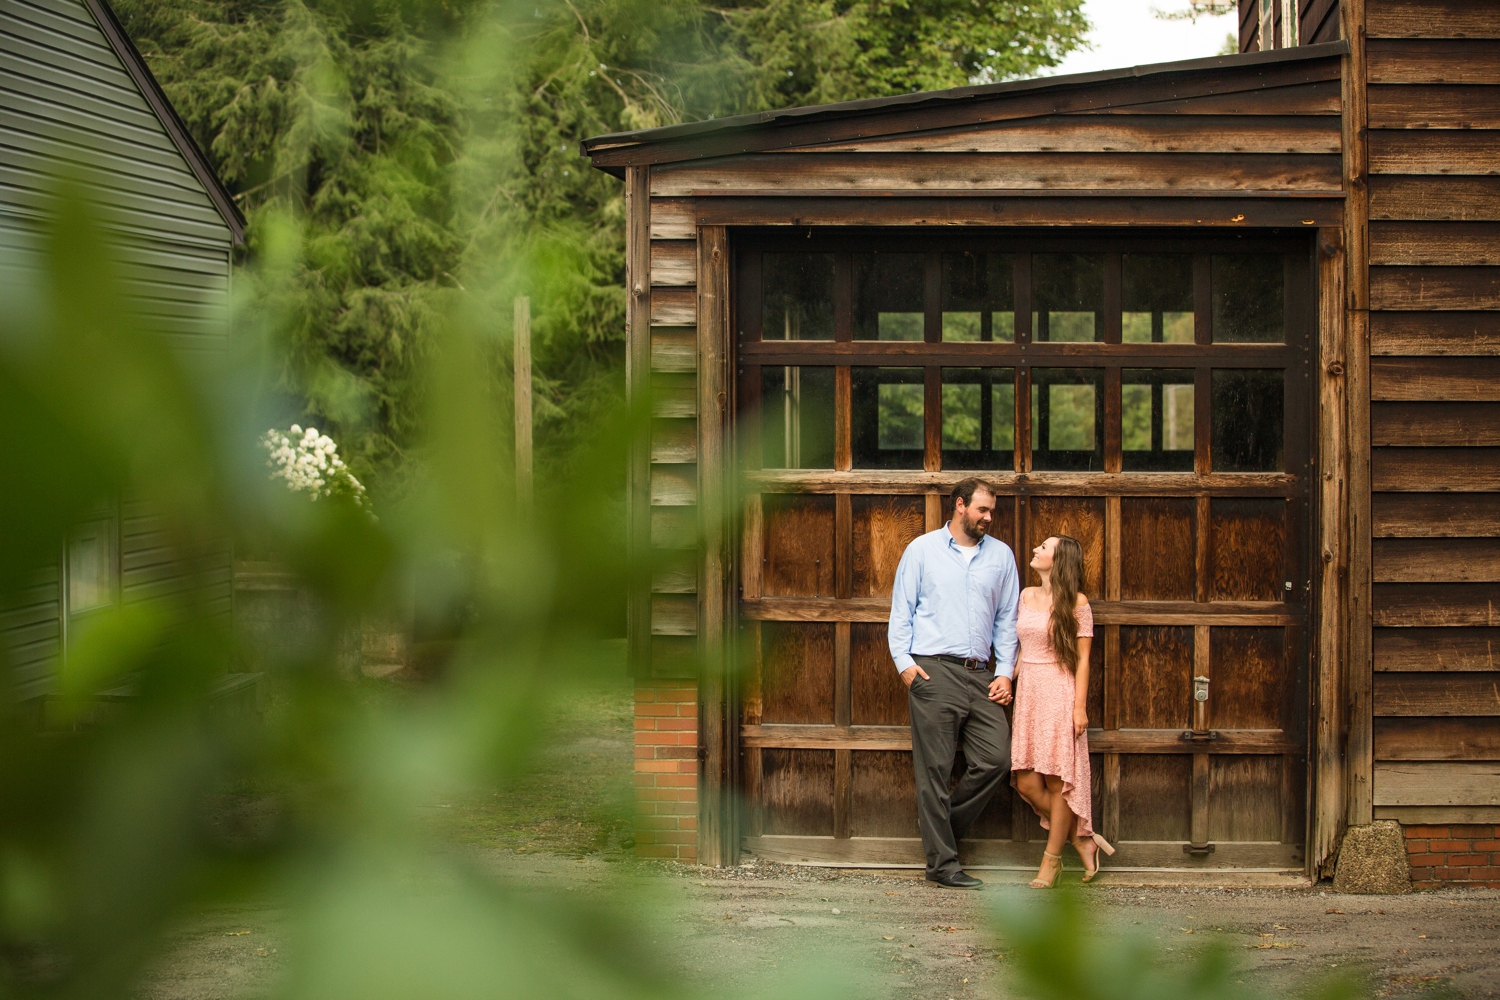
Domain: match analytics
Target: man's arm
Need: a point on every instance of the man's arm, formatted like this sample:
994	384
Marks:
1005	621
904	609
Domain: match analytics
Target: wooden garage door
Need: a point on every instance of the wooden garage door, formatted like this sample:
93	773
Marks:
1150	398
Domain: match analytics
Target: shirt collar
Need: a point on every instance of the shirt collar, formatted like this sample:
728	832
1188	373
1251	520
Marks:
948	533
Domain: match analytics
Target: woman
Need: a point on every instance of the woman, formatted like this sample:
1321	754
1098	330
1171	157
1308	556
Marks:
1049	743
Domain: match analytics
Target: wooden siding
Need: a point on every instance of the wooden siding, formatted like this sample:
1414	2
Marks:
1317	21
67	100
1434	251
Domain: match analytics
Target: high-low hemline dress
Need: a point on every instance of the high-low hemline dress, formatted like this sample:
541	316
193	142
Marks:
1042	724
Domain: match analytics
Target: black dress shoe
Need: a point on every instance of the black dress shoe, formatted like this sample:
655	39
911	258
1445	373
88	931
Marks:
957	880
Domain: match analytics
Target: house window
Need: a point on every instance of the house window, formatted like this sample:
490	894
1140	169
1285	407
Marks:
1267	25
93	566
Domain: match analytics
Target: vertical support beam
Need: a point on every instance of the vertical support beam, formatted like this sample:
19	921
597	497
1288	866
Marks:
1357	365
638	392
521	365
1330	791
718	841
1202	766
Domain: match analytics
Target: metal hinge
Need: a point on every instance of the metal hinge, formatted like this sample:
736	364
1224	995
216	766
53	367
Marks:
1189	736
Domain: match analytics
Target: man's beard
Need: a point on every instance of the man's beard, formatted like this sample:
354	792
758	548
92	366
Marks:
974	529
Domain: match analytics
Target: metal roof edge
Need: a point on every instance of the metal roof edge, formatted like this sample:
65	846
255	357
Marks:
176	129
641	137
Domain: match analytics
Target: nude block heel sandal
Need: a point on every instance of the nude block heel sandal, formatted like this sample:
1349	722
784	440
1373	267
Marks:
1100	844
1037	882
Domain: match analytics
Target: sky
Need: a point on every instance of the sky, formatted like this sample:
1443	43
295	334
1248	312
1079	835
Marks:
1126	34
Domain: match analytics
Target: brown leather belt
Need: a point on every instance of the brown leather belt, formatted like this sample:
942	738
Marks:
967	664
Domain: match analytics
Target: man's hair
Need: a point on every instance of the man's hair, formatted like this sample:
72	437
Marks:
966	489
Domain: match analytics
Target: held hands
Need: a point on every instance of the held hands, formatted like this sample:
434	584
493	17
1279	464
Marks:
912	672
1080	722
1000	690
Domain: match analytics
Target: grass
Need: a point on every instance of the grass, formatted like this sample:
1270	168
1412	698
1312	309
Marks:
577	796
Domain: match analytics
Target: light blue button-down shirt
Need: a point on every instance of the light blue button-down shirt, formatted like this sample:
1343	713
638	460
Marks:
945	605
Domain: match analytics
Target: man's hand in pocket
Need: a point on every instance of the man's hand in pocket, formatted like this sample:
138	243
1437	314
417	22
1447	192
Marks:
912	672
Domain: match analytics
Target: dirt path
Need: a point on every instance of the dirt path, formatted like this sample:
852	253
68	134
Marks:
893	935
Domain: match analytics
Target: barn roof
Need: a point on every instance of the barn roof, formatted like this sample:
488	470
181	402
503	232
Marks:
905	113
176	129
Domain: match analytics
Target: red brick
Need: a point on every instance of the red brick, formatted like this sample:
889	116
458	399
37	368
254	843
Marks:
1449	845
1451	874
676	753
656	794
652	708
1471	831
645	694
689	780
656	823
687	710
683	808
1427	860
645	807
678	694
644	780
687	822
677	837
678	725
669	739
1427	831
1487	845
1417	846
644	722
688	853
657	766
656	850
1469	860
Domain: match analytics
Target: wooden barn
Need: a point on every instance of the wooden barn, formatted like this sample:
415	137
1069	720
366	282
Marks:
75	94
1234	323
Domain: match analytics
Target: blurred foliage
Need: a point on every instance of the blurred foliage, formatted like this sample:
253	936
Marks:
412	157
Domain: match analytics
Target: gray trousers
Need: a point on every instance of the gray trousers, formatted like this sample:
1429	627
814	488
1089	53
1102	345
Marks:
951	709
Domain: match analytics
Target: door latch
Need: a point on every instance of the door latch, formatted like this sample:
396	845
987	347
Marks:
1200	688
1198	850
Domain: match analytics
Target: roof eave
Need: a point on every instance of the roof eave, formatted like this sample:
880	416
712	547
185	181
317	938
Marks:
176	129
770	119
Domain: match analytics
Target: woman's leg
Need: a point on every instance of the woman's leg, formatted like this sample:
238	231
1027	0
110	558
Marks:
1060	815
1034	791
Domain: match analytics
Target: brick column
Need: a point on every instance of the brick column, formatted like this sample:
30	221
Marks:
666	770
1454	855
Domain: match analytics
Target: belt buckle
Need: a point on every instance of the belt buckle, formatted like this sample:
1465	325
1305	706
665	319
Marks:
972	663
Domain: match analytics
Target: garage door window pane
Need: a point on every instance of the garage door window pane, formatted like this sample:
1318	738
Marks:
1247	420
798	296
889	413
979	407
888	296
796	417
1067	419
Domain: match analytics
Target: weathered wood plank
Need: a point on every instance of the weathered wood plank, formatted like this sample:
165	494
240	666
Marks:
1010	483
1435	515
1460	199
674	485
1433	19
1112	134
1435	425
1462	244
640	392
1439	815
1434	288
986	172
897	852
672	219
674	395
1435	379
1433	106
673	349
1319	98
1440	649
1453	738
878	609
1436	560
1047	210
1435	334
674	262
674	441
1435	470
674	306
1417	784
1434	152
674	614
673	572
1434	60
1436	605
1227	741
674	527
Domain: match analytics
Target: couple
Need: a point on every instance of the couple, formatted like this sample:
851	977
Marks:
955	603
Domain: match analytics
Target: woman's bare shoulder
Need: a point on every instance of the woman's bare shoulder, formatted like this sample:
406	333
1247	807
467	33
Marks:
1082	601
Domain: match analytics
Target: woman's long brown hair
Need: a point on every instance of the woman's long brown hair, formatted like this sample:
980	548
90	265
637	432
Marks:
1066	577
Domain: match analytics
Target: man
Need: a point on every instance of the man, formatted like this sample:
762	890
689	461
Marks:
955	599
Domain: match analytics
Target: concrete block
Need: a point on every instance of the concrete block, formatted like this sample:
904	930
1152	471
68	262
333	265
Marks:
1372	860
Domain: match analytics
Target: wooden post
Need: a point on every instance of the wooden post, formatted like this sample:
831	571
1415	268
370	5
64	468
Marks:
718	837
637	391
521	362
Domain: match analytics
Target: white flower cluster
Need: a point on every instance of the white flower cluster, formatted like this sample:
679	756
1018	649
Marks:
308	462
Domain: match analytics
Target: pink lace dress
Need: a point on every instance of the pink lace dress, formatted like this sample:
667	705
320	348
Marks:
1042	724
